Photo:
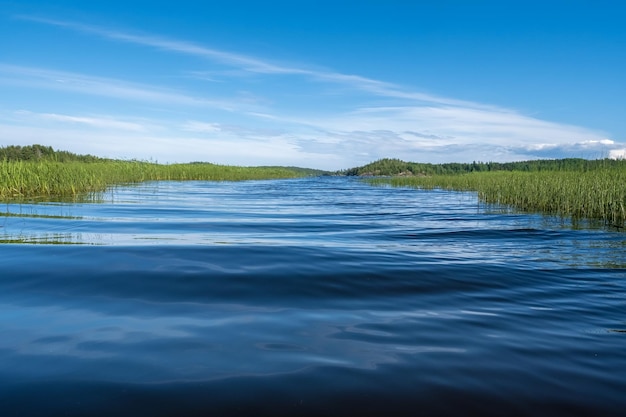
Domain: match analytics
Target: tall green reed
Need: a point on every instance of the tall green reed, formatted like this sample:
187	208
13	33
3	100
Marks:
597	194
25	179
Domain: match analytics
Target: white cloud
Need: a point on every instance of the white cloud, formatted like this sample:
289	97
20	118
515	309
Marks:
594	149
617	153
444	126
600	142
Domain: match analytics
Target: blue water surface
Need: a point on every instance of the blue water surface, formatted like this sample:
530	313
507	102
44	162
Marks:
318	296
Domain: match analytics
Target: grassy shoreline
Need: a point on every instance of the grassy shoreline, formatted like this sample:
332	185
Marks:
597	195
35	179
579	189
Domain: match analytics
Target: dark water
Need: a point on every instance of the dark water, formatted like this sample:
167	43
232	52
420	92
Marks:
306	297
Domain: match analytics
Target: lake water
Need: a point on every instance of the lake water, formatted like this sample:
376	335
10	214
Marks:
320	296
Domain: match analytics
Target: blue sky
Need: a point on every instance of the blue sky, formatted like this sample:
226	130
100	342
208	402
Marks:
321	84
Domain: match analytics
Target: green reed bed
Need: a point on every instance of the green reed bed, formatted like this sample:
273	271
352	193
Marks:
596	194
25	179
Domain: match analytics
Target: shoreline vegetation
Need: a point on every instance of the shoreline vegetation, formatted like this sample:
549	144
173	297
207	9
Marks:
574	188
570	188
34	172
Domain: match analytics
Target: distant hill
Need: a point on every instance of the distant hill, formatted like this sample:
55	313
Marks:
394	167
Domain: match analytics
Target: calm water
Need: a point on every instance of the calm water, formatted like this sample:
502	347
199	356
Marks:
306	297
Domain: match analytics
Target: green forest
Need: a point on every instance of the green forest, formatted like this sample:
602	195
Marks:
42	153
397	167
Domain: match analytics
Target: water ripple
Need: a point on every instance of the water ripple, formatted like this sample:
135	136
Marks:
319	296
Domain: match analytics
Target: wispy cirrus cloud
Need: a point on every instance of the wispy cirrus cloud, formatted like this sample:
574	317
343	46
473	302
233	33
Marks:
99	121
255	65
183	47
15	75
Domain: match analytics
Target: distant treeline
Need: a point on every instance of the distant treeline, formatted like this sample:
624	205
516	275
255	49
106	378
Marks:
42	153
392	167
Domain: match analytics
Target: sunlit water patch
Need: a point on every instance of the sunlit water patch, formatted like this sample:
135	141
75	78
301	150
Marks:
320	296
